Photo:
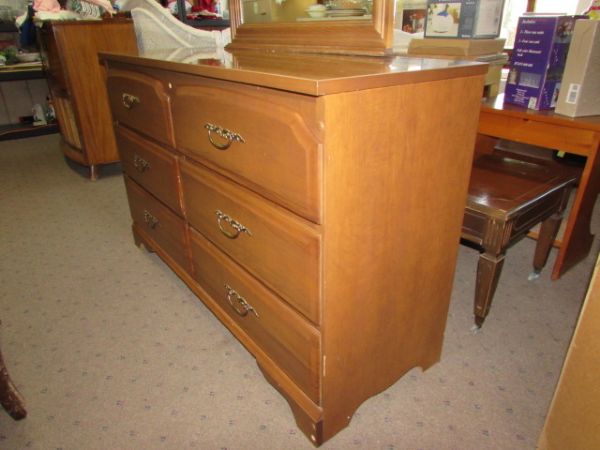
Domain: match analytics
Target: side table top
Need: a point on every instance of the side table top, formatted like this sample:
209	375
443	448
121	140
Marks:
496	105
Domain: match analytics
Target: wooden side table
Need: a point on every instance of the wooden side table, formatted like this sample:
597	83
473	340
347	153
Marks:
507	197
546	129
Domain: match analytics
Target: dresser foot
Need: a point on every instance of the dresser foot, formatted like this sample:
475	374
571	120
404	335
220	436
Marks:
139	241
312	429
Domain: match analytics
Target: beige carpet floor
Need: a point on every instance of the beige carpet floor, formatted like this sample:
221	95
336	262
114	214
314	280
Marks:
112	351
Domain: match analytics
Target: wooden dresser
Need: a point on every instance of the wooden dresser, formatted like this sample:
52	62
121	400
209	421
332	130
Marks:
76	80
313	203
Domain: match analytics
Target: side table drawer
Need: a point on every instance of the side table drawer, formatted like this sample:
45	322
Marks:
274	245
153	167
158	222
266	140
140	102
287	338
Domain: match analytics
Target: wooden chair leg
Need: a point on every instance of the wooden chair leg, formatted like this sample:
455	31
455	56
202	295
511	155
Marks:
489	268
10	398
548	231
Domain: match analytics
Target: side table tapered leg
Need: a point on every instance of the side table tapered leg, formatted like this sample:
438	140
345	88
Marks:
548	231
489	268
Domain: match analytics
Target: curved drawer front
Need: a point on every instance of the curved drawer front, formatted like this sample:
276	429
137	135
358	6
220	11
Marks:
151	166
158	222
141	103
263	139
271	243
287	338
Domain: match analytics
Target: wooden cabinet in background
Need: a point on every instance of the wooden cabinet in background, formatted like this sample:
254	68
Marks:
76	80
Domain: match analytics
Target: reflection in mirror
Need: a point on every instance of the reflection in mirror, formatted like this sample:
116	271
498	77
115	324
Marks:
267	11
200	13
285	25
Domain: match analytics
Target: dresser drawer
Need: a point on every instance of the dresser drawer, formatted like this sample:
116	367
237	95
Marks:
153	167
158	222
265	139
269	242
140	102
283	334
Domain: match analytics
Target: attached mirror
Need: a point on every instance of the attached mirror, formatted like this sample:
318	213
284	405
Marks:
335	26
291	11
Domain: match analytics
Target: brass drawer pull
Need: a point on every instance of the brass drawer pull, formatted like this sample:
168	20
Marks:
129	100
239	303
226	134
140	164
150	220
238	227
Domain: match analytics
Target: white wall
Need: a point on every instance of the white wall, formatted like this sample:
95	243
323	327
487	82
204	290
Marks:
566	6
583	5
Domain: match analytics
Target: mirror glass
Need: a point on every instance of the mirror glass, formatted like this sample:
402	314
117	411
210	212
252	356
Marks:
285	11
332	26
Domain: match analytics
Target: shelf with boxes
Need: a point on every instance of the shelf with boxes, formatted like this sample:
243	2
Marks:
489	51
467	29
22	86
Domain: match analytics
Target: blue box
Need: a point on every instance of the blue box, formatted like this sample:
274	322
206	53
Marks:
538	60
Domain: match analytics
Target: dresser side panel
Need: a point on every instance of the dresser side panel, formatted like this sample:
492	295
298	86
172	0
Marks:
397	165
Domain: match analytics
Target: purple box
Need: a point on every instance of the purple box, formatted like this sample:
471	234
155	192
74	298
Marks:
538	60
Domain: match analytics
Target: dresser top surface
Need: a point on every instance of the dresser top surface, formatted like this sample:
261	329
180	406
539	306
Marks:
313	74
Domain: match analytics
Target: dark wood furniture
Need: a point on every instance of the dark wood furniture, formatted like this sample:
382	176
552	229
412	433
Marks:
20	72
580	136
17	72
290	193
507	197
76	80
10	398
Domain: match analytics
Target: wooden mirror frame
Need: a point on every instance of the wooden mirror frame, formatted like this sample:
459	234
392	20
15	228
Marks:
374	37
